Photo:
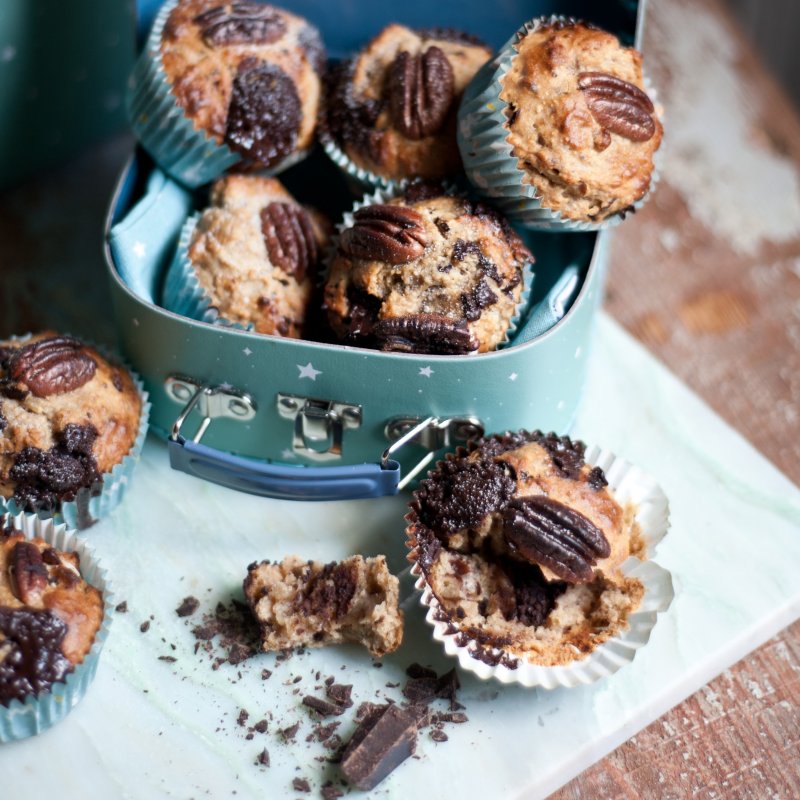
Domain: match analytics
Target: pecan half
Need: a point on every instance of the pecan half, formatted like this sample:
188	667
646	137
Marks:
52	366
544	531
424	334
385	232
618	106
289	238
420	91
242	23
28	572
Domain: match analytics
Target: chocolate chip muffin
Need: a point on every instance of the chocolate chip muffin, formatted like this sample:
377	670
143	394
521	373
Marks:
311	604
426	272
392	109
49	615
254	252
580	124
521	544
247	74
68	416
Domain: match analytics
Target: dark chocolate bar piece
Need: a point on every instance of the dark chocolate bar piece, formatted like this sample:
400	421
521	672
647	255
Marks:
383	740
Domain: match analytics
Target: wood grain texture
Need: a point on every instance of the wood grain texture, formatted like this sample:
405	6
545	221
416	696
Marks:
726	319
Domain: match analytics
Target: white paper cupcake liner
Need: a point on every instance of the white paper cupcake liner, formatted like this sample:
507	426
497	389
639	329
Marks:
629	484
183	293
29	717
188	154
87	508
379	196
489	161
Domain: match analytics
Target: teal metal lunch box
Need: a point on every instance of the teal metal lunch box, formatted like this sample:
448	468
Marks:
311	420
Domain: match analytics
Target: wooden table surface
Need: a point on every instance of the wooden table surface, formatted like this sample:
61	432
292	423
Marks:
707	275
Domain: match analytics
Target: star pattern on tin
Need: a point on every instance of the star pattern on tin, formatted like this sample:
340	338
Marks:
139	250
308	371
247	351
513	376
426	371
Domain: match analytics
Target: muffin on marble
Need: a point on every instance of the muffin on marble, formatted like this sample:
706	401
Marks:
249	259
311	604
571	103
521	543
391	110
246	80
49	615
426	272
70	421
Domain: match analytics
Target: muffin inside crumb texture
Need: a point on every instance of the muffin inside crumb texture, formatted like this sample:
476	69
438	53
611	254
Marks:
521	543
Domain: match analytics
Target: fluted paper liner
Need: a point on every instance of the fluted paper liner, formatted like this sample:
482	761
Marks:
88	508
489	160
383	195
628	484
36	713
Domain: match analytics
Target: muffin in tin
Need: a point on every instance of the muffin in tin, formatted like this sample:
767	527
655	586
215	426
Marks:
426	272
391	110
522	545
49	615
254	254
68	418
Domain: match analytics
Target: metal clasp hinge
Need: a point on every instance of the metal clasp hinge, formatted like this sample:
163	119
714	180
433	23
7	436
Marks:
318	424
211	402
432	433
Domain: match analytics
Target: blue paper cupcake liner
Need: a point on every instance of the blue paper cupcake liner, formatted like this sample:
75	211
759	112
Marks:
489	161
189	155
29	717
382	196
87	508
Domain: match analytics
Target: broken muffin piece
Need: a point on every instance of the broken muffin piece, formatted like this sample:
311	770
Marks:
308	603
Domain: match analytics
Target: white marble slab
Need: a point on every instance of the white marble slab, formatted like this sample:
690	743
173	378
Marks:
151	729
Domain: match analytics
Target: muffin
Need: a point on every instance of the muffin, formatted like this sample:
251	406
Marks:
223	84
426	272
529	556
249	259
391	111
70	420
311	604
53	623
560	125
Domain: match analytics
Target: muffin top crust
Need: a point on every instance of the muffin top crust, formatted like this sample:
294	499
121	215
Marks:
246	73
426	272
392	108
579	121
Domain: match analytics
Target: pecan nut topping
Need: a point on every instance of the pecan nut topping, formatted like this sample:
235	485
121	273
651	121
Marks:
420	91
618	106
546	532
52	366
289	238
241	23
28	572
425	333
385	232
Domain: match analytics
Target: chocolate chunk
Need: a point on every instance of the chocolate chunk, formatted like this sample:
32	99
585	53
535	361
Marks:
262	759
419	90
290	732
479	298
328	593
384	232
340	694
51	366
301	785
240	23
289	239
122	608
187	607
618	106
424	334
331	792
323	707
32	658
541	530
264	114
462	493
381	742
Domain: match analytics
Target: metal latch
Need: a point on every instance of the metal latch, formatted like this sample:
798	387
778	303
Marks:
211	402
432	433
318	424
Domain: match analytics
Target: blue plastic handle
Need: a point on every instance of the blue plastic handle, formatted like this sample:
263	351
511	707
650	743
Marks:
355	482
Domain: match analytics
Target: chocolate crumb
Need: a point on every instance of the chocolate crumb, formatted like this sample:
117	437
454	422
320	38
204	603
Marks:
301	785
322	707
266	674
168	659
263	758
261	726
243	717
145	626
330	792
438	735
340	694
187	607
290	732
122	608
